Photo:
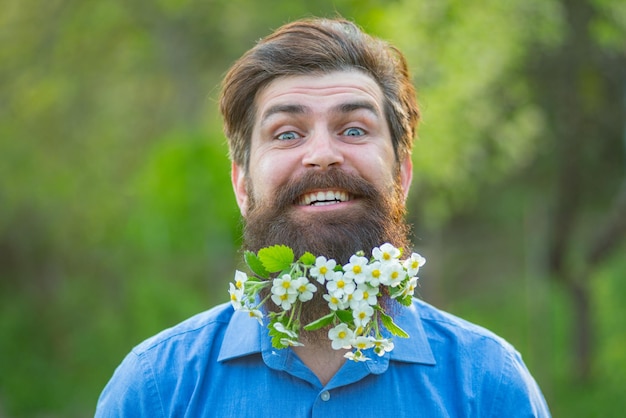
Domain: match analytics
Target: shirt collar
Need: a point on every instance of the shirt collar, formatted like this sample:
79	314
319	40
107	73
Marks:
416	348
243	338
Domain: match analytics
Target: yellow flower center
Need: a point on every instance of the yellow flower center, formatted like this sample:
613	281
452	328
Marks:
387	256
394	275
341	284
376	274
341	335
323	270
286	284
356	269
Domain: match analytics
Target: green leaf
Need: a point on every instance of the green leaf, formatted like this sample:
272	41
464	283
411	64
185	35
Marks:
276	258
406	300
392	327
320	323
345	316
307	259
255	265
276	336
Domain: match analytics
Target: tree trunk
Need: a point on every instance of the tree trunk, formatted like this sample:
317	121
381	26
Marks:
582	329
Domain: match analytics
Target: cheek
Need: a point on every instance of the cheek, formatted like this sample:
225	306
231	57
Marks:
266	177
377	166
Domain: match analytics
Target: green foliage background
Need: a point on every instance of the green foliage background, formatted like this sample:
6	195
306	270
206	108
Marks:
117	217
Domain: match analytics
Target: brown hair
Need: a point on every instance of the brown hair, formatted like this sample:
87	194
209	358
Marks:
317	46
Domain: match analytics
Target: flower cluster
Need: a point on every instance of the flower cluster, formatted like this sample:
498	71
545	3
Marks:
353	291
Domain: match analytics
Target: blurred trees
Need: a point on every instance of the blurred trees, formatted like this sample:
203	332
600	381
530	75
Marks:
117	218
580	86
547	103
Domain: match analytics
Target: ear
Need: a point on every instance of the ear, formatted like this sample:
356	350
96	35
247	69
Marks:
238	178
406	175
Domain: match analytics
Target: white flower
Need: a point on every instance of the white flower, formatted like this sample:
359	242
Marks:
340	336
356	356
410	286
356	268
334	303
323	269
366	293
373	273
392	274
363	343
386	253
292	343
256	314
280	327
382	346
240	279
413	264
285	300
362	314
340	285
282	285
236	296
305	288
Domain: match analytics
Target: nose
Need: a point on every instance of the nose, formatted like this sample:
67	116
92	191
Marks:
322	152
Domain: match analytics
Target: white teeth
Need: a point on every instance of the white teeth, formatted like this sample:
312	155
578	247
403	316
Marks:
320	198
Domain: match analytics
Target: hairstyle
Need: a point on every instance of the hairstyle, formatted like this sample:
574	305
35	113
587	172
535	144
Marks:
317	46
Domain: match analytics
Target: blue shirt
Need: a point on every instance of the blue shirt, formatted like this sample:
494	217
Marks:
220	363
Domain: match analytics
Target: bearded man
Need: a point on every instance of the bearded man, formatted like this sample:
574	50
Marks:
320	119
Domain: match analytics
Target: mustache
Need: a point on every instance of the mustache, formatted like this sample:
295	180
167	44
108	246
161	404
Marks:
333	178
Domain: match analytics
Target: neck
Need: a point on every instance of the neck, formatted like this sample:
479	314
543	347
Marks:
323	361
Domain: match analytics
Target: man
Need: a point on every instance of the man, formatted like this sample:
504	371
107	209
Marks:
320	119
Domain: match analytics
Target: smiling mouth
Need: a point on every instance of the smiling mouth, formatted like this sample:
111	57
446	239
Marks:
323	198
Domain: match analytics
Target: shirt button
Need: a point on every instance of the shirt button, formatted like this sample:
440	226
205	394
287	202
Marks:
325	395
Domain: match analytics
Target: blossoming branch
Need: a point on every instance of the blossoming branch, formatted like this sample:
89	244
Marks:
353	293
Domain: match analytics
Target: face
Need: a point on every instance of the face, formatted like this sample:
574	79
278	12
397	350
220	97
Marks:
318	123
323	176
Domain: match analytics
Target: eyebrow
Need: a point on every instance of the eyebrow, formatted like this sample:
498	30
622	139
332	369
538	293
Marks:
354	106
283	108
296	109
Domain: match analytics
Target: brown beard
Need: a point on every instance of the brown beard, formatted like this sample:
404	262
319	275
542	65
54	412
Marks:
377	218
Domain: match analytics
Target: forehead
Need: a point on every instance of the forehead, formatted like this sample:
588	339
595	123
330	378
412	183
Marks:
316	91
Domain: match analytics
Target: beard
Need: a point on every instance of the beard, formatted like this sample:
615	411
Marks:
378	217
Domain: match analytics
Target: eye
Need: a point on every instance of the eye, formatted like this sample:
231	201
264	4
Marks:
354	132
287	136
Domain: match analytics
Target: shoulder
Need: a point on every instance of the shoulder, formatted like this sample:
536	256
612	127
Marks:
208	325
440	325
486	359
167	363
452	338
